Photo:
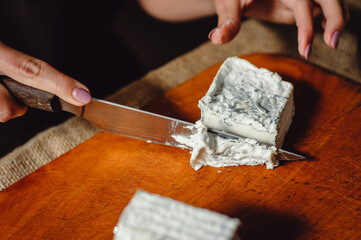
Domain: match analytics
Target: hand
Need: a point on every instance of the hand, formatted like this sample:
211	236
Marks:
300	12
38	74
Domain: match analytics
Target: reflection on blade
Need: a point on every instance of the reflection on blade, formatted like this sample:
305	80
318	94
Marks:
135	123
285	155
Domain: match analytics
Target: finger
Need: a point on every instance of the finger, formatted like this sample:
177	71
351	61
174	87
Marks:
335	20
303	16
323	23
274	11
9	108
229	15
316	10
38	74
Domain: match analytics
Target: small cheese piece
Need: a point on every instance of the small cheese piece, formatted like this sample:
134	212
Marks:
153	217
249	102
218	151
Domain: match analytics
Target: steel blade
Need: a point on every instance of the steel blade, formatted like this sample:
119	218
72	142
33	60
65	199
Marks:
135	123
286	155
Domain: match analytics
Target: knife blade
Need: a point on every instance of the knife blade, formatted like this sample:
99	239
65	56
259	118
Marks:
116	118
131	122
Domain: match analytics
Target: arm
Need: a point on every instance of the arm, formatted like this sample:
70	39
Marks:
230	12
178	10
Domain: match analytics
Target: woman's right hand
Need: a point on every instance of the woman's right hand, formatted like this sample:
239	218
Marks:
38	74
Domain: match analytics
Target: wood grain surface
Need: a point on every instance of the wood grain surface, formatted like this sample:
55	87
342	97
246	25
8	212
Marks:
81	194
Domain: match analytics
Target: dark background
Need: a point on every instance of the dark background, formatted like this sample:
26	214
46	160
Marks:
104	44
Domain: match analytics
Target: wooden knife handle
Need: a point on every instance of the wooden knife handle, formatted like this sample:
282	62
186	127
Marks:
30	96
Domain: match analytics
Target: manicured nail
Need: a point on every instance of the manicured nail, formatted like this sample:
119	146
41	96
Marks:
334	39
81	95
308	51
211	33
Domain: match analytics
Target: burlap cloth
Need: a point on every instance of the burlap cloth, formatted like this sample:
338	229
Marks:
255	37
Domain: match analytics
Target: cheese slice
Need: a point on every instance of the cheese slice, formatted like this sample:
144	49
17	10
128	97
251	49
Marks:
154	217
219	151
248	101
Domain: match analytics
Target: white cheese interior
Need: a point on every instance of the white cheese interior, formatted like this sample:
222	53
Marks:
153	217
214	150
248	101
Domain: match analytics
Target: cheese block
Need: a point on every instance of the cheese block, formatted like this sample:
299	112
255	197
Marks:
248	101
217	150
154	217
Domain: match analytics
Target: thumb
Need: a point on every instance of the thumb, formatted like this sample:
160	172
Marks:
229	20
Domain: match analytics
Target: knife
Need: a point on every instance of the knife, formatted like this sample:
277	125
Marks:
116	118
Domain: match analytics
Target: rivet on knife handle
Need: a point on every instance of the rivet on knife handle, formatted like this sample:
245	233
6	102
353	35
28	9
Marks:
30	96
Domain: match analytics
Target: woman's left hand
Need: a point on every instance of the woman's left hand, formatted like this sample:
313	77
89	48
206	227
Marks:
300	12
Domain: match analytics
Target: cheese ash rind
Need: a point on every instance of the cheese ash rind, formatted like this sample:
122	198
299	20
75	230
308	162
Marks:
248	101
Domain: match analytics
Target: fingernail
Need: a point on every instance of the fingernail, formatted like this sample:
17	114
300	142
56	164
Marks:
211	33
334	39
308	51
81	95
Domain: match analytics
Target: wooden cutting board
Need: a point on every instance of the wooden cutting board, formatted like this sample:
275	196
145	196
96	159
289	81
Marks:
81	194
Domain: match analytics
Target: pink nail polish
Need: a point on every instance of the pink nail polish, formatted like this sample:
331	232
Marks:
211	33
81	95
308	51
334	39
